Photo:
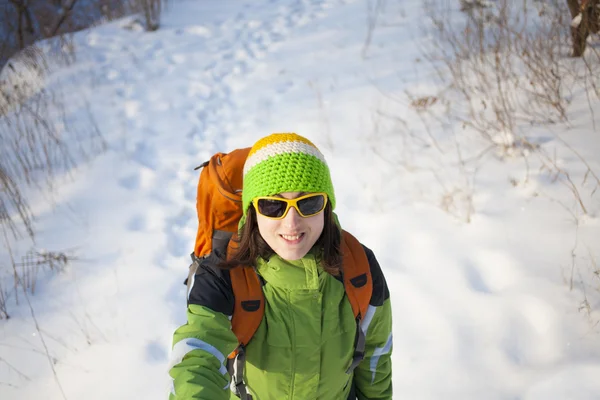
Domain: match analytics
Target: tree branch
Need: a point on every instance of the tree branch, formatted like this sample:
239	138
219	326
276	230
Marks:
63	13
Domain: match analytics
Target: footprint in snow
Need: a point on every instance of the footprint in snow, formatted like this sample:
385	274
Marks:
210	66
145	155
247	52
262	41
218	76
137	223
240	17
131	182
492	271
156	352
475	279
183	218
140	178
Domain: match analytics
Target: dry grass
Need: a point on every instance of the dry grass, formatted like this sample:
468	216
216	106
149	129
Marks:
508	67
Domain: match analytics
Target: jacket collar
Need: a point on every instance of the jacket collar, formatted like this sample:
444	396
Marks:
299	274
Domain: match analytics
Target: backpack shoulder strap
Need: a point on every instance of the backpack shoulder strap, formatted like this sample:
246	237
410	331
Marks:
249	307
248	312
357	274
358	283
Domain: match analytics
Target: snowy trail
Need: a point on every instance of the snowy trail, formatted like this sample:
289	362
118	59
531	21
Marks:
171	118
201	99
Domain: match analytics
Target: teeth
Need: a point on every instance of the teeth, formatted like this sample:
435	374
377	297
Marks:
288	237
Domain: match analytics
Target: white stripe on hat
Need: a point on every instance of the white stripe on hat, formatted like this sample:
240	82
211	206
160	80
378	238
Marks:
275	149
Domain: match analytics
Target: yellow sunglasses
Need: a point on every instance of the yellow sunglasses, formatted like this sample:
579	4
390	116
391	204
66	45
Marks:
278	207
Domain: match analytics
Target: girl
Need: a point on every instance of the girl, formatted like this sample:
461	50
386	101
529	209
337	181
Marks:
307	337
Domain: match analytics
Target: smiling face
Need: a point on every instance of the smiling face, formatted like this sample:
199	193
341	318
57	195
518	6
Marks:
293	236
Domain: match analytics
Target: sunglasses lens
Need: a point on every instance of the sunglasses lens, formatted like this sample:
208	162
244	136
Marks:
311	205
271	208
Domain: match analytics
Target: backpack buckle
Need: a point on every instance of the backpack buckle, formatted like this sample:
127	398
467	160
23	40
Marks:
237	375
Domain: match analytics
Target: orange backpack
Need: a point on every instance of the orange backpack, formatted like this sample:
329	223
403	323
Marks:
219	207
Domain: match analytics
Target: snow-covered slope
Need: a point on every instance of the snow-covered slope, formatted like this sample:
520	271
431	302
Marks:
482	310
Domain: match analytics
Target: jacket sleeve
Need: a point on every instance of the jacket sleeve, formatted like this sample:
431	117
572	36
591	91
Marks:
373	376
201	346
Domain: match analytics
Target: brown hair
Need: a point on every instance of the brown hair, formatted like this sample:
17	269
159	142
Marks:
250	244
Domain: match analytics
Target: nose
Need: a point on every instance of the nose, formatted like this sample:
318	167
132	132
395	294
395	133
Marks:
292	219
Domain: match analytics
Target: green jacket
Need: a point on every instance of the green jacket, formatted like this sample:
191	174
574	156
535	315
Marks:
303	346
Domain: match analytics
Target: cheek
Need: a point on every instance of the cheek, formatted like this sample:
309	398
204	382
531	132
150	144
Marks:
265	225
316	224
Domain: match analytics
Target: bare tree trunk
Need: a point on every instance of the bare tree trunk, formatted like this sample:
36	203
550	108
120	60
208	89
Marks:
29	23
577	32
63	13
594	11
152	10
22	13
589	22
20	30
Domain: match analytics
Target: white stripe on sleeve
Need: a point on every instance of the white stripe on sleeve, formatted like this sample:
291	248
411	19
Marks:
182	348
379	351
364	325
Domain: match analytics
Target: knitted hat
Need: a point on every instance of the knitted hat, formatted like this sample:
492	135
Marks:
285	162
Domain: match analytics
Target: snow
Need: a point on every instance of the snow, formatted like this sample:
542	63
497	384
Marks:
488	263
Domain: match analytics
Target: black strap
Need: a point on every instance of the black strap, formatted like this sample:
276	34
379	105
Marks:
237	375
352	394
204	164
359	347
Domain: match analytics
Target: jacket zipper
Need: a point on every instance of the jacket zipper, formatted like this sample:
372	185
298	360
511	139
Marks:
293	337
